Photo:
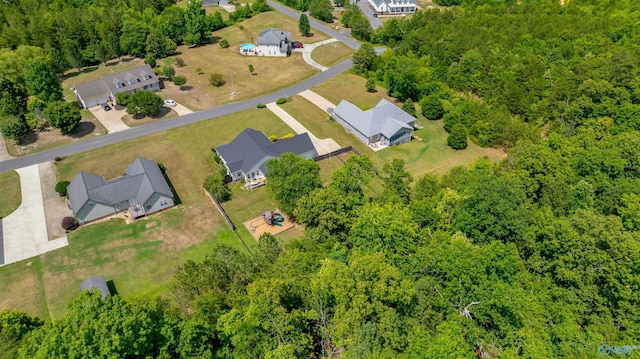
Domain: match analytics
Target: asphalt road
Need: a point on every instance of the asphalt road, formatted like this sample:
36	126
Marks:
154	127
368	12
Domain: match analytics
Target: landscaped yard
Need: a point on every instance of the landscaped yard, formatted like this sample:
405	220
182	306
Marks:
140	258
10	196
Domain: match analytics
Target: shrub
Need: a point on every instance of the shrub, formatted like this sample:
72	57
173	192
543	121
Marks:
69	223
198	70
61	187
180	62
224	43
458	137
261	105
288	135
432	107
216	80
168	71
451	119
179	80
241	27
217	159
281	101
273	138
150	60
370	85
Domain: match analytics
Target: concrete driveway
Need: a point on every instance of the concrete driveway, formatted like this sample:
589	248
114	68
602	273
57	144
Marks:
308	49
112	119
4	155
25	230
180	110
323	146
317	100
368	11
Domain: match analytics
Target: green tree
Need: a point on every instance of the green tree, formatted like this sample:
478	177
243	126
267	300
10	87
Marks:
432	107
409	108
168	71
14	325
150	60
171	23
13	99
197	29
13	127
353	176
63	115
290	177
370	85
72	54
144	103
159	46
216	80
213	184
457	139
365	59
396	182
41	82
321	10
303	25
133	39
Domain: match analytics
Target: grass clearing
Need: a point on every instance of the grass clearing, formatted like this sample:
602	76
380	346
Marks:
9	192
139	260
352	88
331	54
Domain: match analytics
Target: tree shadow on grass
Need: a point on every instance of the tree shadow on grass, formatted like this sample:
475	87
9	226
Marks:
176	197
84	128
186	88
112	287
30	138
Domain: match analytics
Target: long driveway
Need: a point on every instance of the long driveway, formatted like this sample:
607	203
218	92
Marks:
25	230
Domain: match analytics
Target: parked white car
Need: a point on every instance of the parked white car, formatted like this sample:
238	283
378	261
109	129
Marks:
170	103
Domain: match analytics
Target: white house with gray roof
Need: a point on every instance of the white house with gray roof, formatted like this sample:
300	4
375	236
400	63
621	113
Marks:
394	6
141	191
386	124
245	156
104	90
274	42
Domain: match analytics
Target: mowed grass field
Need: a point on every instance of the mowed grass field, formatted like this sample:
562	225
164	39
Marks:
141	257
331	54
10	196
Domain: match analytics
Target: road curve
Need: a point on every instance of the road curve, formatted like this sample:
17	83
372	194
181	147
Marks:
134	132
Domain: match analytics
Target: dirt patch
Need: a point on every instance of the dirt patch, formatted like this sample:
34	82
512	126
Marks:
151	225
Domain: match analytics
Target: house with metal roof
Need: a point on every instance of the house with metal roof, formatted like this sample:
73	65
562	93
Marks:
246	155
274	42
386	124
141	191
104	90
394	6
97	282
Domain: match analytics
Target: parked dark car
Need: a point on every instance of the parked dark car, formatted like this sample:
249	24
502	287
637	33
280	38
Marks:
106	107
297	45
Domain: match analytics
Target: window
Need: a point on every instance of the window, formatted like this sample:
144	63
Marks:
133	80
119	84
163	202
146	76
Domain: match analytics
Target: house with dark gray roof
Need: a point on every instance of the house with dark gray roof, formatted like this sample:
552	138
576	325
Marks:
97	282
386	124
141	191
245	156
104	90
394	6
274	42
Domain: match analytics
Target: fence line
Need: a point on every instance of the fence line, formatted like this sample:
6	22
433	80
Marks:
341	151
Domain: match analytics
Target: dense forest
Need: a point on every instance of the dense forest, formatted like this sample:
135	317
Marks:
537	256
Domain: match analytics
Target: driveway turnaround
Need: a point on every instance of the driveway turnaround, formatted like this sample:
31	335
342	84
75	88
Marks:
25	230
308	49
317	100
323	146
111	120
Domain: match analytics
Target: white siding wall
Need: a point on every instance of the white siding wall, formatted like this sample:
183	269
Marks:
351	129
89	212
264	50
158	202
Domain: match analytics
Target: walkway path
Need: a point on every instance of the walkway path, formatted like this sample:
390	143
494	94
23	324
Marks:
308	49
317	100
25	230
323	146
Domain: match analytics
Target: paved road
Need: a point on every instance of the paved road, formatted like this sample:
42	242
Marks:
102	141
368	12
342	37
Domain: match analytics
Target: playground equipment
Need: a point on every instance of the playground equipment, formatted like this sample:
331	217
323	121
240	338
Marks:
272	218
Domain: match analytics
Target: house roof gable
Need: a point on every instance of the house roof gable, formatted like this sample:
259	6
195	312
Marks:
273	36
386	118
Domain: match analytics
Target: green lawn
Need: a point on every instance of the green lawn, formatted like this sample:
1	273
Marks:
10	196
331	54
141	257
